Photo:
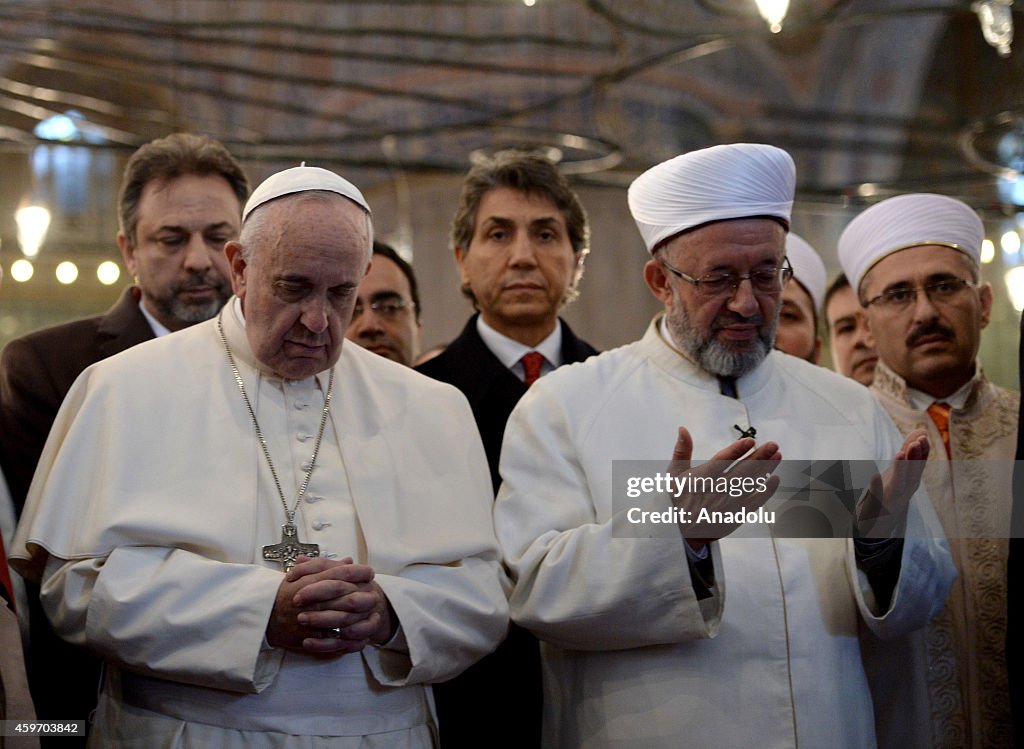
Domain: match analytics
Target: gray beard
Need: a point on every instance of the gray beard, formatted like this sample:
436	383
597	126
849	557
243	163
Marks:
713	357
190	313
193	313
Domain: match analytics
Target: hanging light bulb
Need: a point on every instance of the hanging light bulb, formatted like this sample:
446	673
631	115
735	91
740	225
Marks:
996	19
66	272
1015	286
21	270
33	221
108	272
988	251
773	12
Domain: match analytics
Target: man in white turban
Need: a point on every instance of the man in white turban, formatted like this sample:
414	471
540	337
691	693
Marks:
801	299
914	262
658	630
271	540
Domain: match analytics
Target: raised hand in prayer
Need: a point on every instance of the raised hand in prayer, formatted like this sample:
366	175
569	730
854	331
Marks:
882	510
753	466
329	606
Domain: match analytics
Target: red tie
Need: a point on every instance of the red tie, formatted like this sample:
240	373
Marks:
940	415
531	367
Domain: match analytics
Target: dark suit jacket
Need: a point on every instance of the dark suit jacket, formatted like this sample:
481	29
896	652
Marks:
492	390
503	691
36	372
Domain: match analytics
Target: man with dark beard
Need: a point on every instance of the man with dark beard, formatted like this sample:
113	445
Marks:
914	262
180	201
640	645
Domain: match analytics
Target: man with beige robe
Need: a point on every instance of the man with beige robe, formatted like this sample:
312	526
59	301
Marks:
914	262
272	540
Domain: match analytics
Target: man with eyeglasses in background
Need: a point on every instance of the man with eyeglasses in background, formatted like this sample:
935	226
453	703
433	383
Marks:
655	636
914	262
386	318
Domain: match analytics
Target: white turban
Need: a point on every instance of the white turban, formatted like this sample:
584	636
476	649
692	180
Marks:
808	267
908	221
738	180
302	179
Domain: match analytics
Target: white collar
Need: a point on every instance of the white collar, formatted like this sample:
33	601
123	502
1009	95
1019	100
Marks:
920	401
510	351
159	329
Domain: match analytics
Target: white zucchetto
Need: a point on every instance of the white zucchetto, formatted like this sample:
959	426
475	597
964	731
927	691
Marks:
302	179
808	267
737	180
907	221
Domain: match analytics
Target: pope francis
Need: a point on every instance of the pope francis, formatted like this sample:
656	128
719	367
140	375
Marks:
271	541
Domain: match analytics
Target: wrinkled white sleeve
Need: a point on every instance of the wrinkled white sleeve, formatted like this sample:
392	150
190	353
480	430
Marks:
578	585
926	565
168	613
451	616
438	560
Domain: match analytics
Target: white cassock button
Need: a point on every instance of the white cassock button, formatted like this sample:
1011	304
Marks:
306	466
330	555
311	498
299	405
319	525
302	436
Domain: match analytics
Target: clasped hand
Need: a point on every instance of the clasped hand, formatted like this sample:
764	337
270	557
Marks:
326	606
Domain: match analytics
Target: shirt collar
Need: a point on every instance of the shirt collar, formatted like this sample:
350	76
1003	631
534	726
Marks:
510	351
920	401
159	329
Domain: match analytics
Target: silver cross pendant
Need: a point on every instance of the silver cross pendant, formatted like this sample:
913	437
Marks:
290	548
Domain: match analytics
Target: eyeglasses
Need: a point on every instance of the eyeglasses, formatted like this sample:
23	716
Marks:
387	309
939	292
763	280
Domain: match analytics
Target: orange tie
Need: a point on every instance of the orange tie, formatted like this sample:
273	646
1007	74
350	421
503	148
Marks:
940	415
531	367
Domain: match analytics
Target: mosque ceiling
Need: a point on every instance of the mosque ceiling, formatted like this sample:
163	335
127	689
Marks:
870	96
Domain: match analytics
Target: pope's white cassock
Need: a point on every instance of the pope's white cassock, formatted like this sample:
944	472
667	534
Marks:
631	656
152	503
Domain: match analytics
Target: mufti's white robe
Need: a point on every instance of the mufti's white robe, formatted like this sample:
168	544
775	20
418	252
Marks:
152	503
632	658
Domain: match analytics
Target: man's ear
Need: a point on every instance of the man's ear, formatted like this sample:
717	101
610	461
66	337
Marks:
985	296
460	260
127	252
236	261
657	282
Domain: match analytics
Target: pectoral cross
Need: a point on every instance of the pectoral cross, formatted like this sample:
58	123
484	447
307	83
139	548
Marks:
290	548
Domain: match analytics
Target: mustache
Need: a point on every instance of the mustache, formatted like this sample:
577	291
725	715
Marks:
931	328
725	319
528	279
199	280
